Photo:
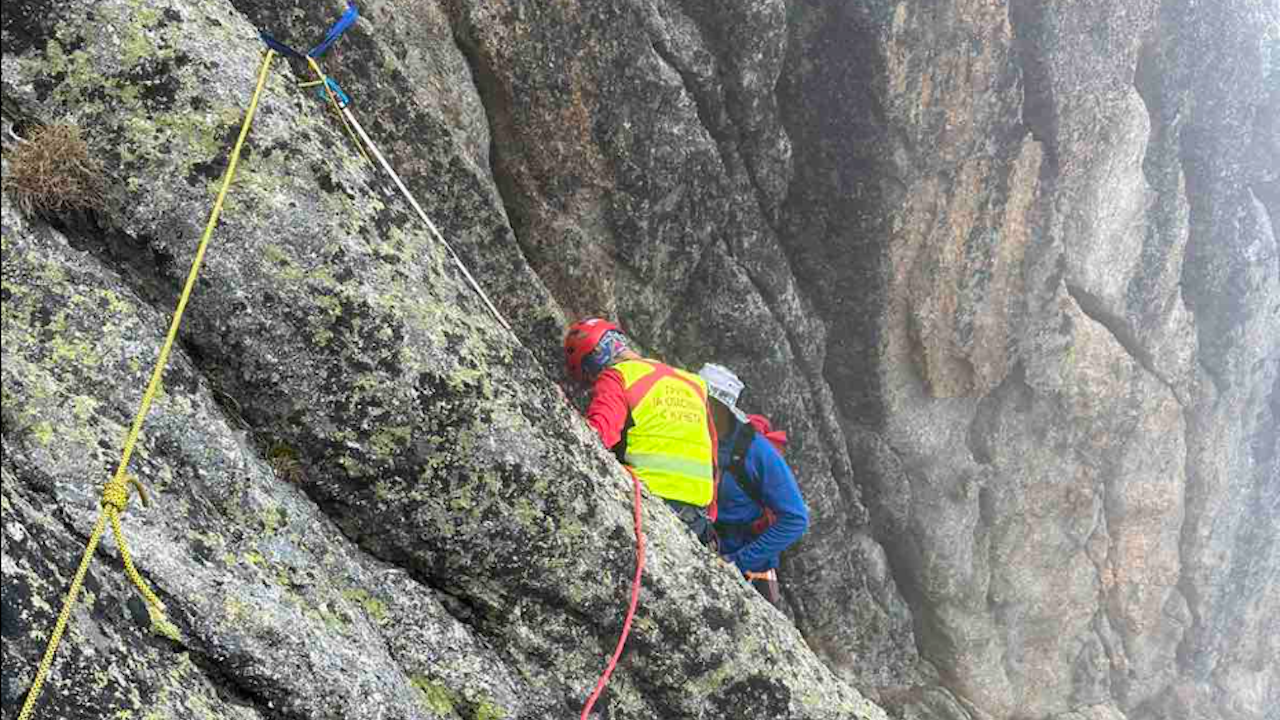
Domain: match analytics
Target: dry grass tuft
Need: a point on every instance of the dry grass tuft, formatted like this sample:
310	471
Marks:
284	461
52	173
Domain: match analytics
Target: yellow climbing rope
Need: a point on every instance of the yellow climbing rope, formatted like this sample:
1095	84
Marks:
115	493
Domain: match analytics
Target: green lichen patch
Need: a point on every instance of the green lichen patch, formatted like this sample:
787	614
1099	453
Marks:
465	705
435	697
375	608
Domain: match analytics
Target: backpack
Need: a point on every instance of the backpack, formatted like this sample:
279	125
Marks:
756	425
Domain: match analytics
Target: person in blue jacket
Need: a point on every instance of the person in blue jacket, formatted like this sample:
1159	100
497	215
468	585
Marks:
761	511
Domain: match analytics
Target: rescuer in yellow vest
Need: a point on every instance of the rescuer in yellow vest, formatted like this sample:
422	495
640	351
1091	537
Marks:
654	417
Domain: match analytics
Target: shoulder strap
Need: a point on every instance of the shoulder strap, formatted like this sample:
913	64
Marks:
641	387
738	464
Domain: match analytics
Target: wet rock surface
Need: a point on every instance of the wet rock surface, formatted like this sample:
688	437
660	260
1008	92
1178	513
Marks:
1006	272
437	534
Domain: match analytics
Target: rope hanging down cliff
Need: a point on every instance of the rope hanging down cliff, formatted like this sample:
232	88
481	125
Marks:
115	494
631	607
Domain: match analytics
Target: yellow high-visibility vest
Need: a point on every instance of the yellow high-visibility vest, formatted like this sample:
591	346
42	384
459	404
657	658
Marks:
671	444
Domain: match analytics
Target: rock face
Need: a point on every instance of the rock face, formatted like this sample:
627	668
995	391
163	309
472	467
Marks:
441	538
1006	272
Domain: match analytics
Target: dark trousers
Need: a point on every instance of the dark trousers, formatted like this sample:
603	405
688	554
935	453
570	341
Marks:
695	518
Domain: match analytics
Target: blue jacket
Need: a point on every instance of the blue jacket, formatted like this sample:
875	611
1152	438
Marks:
780	493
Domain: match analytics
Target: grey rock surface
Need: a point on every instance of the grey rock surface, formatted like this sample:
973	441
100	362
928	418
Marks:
1007	272
449	542
1045	217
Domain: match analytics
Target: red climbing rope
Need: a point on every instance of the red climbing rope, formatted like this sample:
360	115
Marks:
631	611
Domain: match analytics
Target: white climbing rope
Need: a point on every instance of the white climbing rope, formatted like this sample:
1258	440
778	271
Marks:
351	118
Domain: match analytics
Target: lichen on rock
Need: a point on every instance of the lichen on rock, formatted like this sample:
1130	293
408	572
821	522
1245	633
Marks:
1006	272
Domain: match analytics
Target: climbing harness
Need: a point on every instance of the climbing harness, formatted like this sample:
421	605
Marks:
631	609
115	493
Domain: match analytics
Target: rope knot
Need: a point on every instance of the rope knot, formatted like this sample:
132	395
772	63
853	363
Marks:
115	493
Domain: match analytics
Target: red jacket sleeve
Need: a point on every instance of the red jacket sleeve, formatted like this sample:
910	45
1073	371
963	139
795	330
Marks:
607	413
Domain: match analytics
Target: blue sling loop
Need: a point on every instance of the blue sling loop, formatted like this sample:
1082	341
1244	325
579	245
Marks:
278	46
346	21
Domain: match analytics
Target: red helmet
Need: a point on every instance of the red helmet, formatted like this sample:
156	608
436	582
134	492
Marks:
581	340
